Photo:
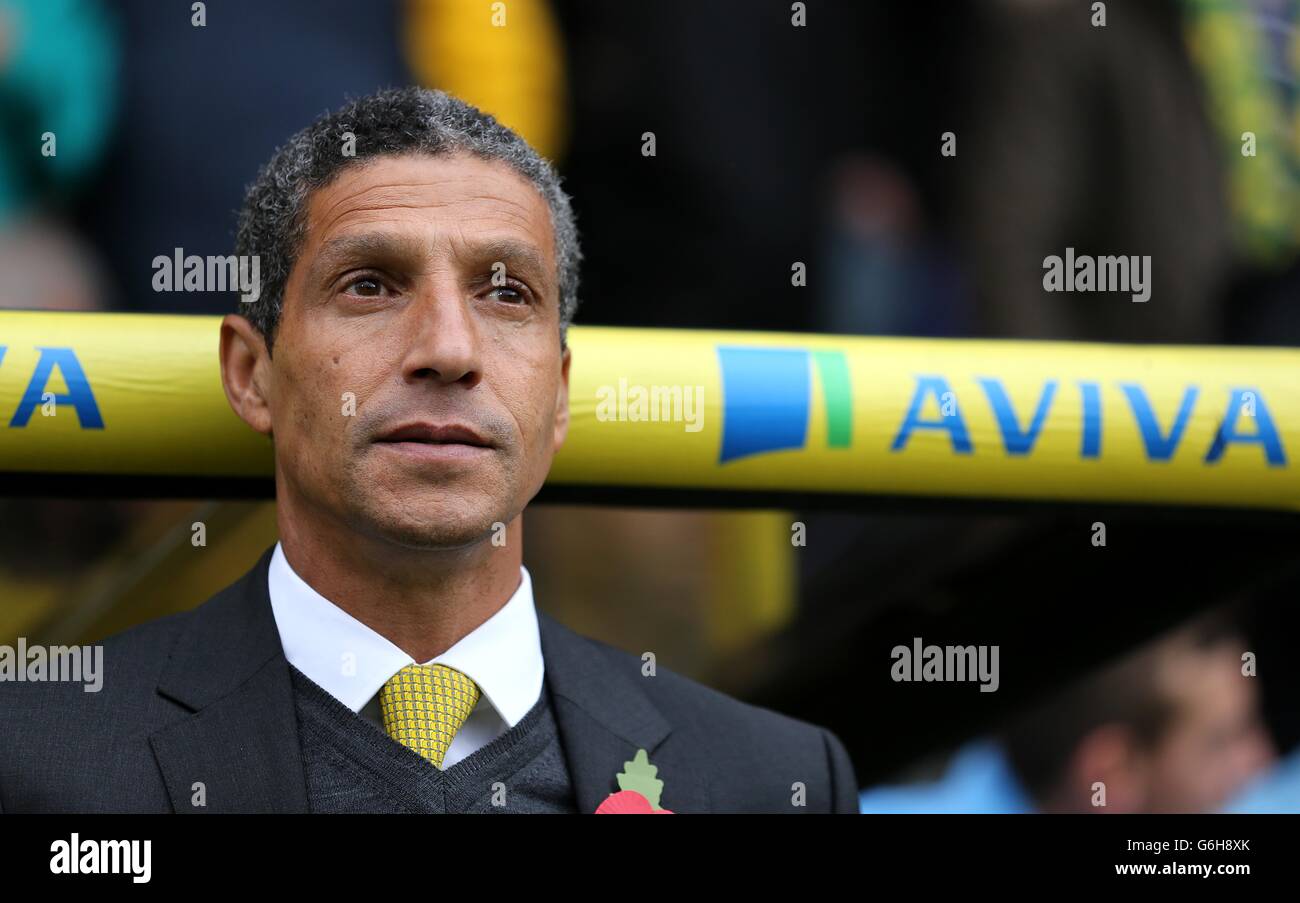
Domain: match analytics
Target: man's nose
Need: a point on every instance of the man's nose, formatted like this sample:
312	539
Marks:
443	338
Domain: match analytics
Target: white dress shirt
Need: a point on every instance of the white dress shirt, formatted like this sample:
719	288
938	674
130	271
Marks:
503	656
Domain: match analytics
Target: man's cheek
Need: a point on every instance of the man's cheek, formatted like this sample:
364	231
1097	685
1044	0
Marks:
319	425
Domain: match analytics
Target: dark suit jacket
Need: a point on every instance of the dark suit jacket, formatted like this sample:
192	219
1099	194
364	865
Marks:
205	696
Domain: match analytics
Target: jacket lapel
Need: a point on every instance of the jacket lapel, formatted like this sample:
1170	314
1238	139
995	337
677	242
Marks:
240	741
604	717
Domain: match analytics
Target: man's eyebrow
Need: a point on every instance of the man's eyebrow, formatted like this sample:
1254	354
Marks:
521	255
379	247
373	247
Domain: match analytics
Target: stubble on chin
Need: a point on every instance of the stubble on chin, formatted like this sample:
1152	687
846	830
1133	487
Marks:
425	517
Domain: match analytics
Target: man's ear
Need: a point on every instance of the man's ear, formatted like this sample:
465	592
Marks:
1111	755
246	372
562	400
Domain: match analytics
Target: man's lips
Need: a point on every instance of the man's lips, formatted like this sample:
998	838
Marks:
434	443
435	434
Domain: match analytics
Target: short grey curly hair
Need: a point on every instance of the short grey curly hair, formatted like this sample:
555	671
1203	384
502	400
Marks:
397	121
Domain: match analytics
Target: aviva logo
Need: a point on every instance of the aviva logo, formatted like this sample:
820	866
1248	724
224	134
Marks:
767	399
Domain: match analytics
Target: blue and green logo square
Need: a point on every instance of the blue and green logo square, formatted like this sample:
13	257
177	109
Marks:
767	399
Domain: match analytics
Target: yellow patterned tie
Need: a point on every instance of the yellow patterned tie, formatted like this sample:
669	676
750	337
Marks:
424	705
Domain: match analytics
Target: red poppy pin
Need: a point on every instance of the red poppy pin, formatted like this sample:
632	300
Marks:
640	789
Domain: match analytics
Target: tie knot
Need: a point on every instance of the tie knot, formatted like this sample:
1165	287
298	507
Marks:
424	706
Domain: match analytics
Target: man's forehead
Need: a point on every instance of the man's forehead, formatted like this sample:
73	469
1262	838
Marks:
455	193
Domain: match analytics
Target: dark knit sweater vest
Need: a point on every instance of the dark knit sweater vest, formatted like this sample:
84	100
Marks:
353	766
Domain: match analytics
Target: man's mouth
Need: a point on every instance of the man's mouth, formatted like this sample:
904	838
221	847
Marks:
435	441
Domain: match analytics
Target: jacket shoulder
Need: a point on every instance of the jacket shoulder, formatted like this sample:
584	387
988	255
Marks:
679	696
748	738
117	671
68	731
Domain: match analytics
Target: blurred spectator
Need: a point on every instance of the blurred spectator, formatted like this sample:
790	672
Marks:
48	267
978	779
1275	791
1171	727
57	63
888	272
1127	139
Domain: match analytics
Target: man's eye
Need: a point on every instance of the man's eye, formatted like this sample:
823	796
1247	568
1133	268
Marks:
366	288
510	294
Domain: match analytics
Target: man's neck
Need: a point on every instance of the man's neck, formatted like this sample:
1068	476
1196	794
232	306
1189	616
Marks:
421	601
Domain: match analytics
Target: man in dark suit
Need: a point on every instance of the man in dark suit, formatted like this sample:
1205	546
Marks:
406	354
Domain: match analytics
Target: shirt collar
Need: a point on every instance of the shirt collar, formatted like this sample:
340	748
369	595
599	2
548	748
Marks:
349	660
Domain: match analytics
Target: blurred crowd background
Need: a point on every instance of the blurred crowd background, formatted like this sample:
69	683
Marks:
775	144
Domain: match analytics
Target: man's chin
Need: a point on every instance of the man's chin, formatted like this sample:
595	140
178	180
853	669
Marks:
437	523
442	537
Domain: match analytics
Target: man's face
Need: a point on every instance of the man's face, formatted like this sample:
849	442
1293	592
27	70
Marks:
1216	741
413	396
